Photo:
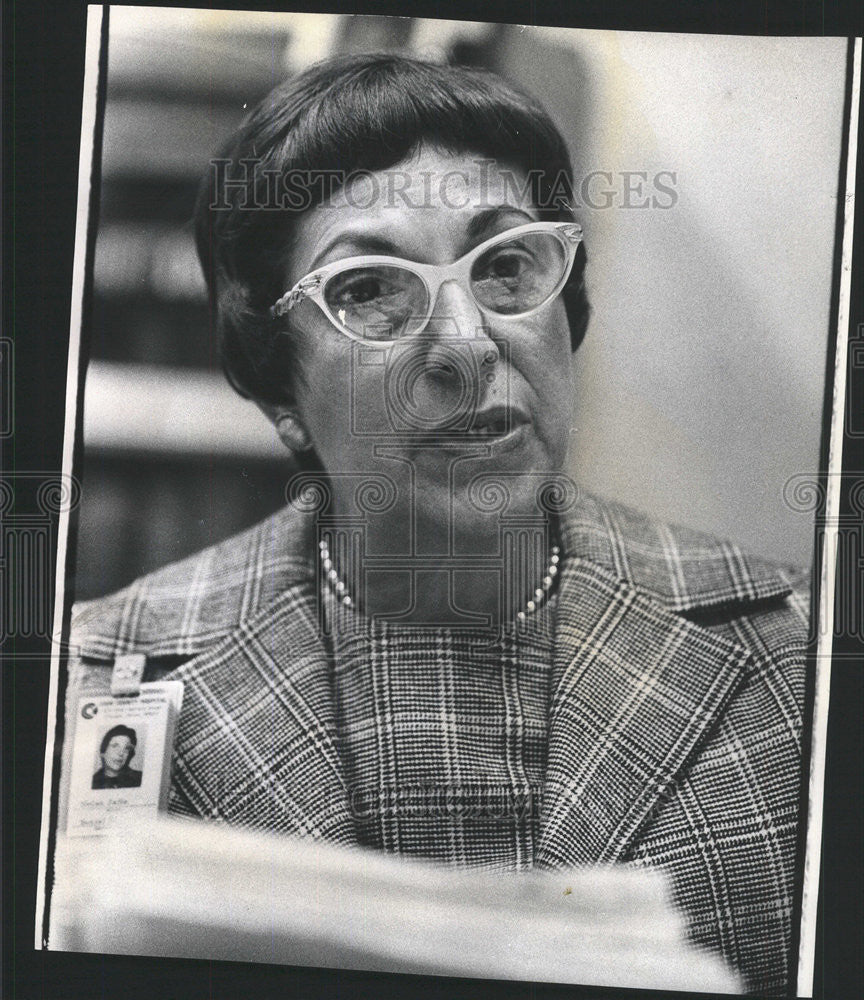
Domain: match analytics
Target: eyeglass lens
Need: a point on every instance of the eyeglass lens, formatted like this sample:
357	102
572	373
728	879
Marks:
386	302
378	302
518	274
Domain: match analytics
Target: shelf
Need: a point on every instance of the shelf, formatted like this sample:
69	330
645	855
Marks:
133	408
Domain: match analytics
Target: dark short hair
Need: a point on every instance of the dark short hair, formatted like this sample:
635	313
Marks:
118	731
348	114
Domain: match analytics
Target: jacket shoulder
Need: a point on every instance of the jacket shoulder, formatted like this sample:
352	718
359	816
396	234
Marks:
687	570
187	605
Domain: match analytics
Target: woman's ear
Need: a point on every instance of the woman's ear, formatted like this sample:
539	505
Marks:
290	428
292	431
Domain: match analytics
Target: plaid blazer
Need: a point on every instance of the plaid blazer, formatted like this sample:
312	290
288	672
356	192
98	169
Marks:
675	725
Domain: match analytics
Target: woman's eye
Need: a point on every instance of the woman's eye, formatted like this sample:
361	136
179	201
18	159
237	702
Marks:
506	265
361	290
365	289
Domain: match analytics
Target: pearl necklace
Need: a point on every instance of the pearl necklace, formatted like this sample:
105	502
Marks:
538	599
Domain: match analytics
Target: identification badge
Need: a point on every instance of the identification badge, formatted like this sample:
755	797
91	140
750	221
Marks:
121	758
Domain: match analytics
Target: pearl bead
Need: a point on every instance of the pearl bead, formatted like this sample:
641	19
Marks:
342	595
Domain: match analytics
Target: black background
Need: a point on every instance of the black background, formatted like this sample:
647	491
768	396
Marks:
43	68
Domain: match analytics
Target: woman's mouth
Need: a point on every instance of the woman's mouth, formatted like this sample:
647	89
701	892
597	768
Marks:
497	421
497	427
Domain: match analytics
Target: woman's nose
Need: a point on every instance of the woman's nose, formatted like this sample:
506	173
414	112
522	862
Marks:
457	320
456	357
455	314
459	353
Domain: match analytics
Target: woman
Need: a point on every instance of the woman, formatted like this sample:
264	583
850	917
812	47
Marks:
117	750
440	647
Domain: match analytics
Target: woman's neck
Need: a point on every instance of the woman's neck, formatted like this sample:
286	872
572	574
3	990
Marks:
435	576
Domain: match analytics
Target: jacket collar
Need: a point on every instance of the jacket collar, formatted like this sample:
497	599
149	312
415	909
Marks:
186	607
685	570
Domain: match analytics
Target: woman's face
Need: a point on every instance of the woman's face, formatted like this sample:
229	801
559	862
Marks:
117	754
465	371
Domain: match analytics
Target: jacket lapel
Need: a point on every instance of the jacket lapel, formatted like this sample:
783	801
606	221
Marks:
256	739
635	686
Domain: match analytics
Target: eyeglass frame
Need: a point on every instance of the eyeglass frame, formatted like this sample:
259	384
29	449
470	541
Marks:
433	276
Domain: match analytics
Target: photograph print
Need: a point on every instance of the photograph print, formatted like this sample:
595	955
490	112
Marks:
452	412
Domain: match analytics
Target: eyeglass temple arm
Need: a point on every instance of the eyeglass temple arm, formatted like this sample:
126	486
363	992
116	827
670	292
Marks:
290	299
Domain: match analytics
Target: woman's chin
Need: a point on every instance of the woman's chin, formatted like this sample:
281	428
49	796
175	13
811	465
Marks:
472	511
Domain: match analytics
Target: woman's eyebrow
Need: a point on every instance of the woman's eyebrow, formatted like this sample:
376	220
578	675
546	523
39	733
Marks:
364	243
482	222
